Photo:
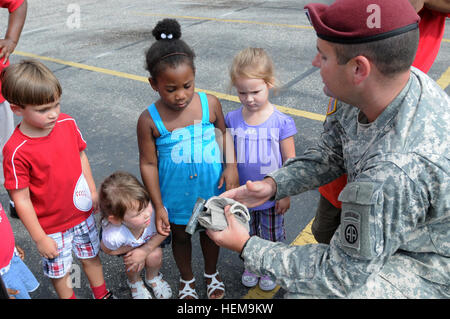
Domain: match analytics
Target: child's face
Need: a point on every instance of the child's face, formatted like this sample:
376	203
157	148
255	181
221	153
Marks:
135	219
38	120
253	93
175	86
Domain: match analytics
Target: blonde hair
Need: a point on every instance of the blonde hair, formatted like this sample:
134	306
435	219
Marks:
29	82
119	192
253	63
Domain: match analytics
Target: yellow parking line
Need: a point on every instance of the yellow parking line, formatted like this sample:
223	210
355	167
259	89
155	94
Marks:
296	26
84	66
305	237
223	20
284	109
444	80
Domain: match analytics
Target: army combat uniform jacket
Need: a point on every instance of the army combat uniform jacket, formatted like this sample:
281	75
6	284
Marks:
394	237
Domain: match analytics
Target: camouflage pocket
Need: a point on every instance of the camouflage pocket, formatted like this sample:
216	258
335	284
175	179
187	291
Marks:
357	231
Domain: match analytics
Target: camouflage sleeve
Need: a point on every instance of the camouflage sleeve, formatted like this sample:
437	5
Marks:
379	210
317	166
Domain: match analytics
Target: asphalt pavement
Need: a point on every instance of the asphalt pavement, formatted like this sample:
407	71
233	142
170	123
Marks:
97	48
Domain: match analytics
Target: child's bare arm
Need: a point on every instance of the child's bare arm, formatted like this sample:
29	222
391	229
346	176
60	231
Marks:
148	164
230	174
287	147
46	246
16	21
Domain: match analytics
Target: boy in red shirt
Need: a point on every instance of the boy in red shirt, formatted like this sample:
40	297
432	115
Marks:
48	176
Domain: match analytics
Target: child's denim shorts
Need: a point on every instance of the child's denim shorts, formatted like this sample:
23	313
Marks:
20	278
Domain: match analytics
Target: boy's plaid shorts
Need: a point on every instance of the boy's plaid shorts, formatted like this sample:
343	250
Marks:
82	239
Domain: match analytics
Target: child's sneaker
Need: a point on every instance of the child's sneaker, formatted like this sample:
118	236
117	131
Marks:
109	295
266	283
249	279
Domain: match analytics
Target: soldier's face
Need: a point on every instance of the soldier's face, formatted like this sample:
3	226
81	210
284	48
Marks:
334	75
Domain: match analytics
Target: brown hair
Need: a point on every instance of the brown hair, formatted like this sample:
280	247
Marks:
121	191
29	82
391	56
253	63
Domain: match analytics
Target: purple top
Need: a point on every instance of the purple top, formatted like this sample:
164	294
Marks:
258	146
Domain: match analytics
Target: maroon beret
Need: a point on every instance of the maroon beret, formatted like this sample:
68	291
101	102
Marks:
359	21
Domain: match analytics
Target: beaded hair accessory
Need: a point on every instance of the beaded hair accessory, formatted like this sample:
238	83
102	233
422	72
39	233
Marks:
166	36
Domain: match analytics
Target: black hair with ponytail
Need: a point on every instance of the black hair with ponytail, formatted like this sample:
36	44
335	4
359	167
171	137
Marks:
168	50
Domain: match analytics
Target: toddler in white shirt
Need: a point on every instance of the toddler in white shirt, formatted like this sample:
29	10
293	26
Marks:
128	230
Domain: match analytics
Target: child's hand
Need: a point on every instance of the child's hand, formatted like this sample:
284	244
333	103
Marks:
21	252
47	247
282	205
162	222
230	176
94	197
7	47
135	260
12	293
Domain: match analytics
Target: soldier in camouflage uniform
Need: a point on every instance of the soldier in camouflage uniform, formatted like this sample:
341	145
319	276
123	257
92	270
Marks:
394	237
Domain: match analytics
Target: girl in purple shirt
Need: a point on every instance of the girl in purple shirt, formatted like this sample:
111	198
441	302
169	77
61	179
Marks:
263	139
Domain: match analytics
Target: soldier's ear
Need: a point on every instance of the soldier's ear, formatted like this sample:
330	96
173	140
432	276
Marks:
360	69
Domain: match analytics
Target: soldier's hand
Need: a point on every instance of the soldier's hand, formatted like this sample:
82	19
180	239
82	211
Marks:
253	194
233	237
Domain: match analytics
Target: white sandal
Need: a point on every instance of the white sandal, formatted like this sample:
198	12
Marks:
214	285
161	290
141	292
187	290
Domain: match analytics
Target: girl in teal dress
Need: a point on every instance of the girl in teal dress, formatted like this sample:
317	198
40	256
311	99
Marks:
181	143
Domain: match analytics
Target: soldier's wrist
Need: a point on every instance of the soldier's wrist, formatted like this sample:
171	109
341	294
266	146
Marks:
243	248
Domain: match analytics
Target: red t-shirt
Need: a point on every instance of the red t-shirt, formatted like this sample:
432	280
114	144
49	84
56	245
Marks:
11	5
7	242
51	167
431	28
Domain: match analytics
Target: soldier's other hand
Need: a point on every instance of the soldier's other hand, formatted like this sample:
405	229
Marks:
233	237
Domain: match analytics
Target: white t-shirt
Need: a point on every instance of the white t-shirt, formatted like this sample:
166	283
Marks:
114	237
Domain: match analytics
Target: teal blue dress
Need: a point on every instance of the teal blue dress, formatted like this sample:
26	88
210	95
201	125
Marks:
189	164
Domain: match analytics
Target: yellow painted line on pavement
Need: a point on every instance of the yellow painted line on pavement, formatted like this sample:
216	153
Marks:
305	237
271	24
84	66
444	80
284	109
